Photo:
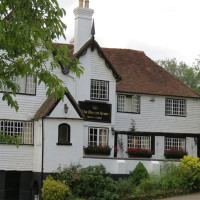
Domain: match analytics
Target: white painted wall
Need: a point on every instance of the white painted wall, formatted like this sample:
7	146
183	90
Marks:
62	155
123	166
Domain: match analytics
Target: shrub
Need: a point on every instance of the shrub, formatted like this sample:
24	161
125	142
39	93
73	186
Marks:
175	153
124	187
94	149
138	152
170	177
90	183
146	186
139	173
95	183
54	190
69	175
190	166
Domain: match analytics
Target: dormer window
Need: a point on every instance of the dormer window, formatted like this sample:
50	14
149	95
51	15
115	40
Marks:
99	90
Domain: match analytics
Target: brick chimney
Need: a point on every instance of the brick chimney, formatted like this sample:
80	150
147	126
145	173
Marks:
83	24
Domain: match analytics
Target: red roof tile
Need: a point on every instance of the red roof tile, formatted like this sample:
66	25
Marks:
142	75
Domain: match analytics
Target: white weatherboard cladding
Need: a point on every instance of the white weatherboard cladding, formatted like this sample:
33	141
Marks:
13	158
152	117
94	68
99	70
62	155
28	105
59	110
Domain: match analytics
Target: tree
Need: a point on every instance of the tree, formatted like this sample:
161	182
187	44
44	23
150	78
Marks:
27	31
188	75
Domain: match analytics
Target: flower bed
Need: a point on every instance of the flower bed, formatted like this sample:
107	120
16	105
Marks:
95	149
175	153
138	152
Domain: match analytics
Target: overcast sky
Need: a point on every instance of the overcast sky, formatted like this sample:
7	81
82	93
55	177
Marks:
160	28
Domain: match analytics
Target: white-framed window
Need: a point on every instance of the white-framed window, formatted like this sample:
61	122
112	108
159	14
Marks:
18	128
175	107
142	142
99	89
26	84
98	136
174	143
128	103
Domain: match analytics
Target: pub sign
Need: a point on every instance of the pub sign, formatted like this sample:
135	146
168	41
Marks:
94	111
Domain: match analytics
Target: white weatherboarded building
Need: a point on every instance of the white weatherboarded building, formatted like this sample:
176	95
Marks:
120	90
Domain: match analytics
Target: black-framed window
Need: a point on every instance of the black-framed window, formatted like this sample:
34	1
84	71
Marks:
175	107
128	103
98	136
24	129
142	142
175	143
27	84
64	134
99	90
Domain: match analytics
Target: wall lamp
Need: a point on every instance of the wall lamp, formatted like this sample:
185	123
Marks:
66	108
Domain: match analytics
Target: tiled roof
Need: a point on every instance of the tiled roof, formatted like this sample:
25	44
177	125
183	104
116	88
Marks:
48	106
142	75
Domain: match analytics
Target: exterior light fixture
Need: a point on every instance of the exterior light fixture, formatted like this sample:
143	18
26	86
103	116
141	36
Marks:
66	108
113	130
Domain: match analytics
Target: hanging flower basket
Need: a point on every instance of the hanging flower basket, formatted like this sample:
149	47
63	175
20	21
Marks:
97	149
175	153
138	152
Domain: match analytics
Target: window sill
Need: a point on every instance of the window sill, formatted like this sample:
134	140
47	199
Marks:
65	143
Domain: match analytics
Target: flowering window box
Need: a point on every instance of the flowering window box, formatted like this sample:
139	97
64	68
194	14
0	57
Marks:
138	152
97	149
175	153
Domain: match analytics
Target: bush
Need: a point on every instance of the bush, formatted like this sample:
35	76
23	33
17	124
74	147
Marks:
171	177
124	187
175	153
190	167
54	190
137	152
146	185
90	183
139	173
104	150
95	183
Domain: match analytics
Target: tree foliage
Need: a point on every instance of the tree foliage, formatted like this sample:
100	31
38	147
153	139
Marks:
27	31
189	75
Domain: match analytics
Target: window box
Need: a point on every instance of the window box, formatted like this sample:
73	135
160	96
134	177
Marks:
175	153
138	152
94	149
